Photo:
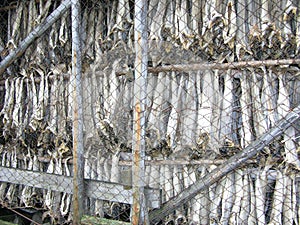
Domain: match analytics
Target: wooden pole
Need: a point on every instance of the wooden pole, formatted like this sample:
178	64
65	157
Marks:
235	161
218	66
37	32
139	208
78	160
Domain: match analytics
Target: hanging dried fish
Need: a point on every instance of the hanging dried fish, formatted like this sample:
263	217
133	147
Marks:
3	185
52	124
44	8
183	33
66	198
226	110
178	187
16	32
8	107
289	46
261	183
216	201
228	198
33	123
11	192
246	199
203	201
278	199
18	85
27	191
246	130
238	196
283	107
189	112
259	121
204	117
230	22
294	192
287	213
252	219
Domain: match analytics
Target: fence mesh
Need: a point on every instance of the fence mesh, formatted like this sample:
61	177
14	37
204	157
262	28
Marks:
220	75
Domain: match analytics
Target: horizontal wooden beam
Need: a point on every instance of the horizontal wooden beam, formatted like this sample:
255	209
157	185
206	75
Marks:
94	188
153	162
219	66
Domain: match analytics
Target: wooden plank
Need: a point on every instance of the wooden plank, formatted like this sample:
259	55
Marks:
94	188
219	66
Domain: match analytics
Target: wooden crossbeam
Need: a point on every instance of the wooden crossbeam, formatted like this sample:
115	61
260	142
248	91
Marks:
94	188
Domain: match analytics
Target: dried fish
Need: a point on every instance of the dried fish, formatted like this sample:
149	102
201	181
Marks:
278	199
8	107
10	194
204	113
226	109
228	198
252	218
261	183
246	108
26	194
283	107
189	112
66	198
3	185
16	32
238	196
230	28
287	213
203	201
216	202
52	124
33	123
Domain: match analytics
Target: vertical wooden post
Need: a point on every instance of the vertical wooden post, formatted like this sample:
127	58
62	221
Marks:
139	208
78	160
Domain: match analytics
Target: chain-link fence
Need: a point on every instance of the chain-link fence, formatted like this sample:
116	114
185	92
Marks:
150	112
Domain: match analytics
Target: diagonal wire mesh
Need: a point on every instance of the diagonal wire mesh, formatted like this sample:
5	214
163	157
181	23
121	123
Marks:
219	77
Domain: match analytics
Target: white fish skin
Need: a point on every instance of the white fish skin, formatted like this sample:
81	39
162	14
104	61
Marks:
216	202
288	207
252	219
278	199
228	198
66	198
234	216
246	109
260	194
245	204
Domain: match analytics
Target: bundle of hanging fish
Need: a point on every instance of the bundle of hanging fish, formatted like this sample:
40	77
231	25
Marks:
204	114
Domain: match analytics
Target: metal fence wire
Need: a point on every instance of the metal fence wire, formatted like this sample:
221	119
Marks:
151	112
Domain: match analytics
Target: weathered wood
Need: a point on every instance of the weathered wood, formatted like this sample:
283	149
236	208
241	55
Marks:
77	116
219	66
235	161
94	188
139	207
46	159
32	36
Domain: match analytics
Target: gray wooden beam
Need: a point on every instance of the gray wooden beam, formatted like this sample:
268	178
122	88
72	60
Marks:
93	188
33	35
